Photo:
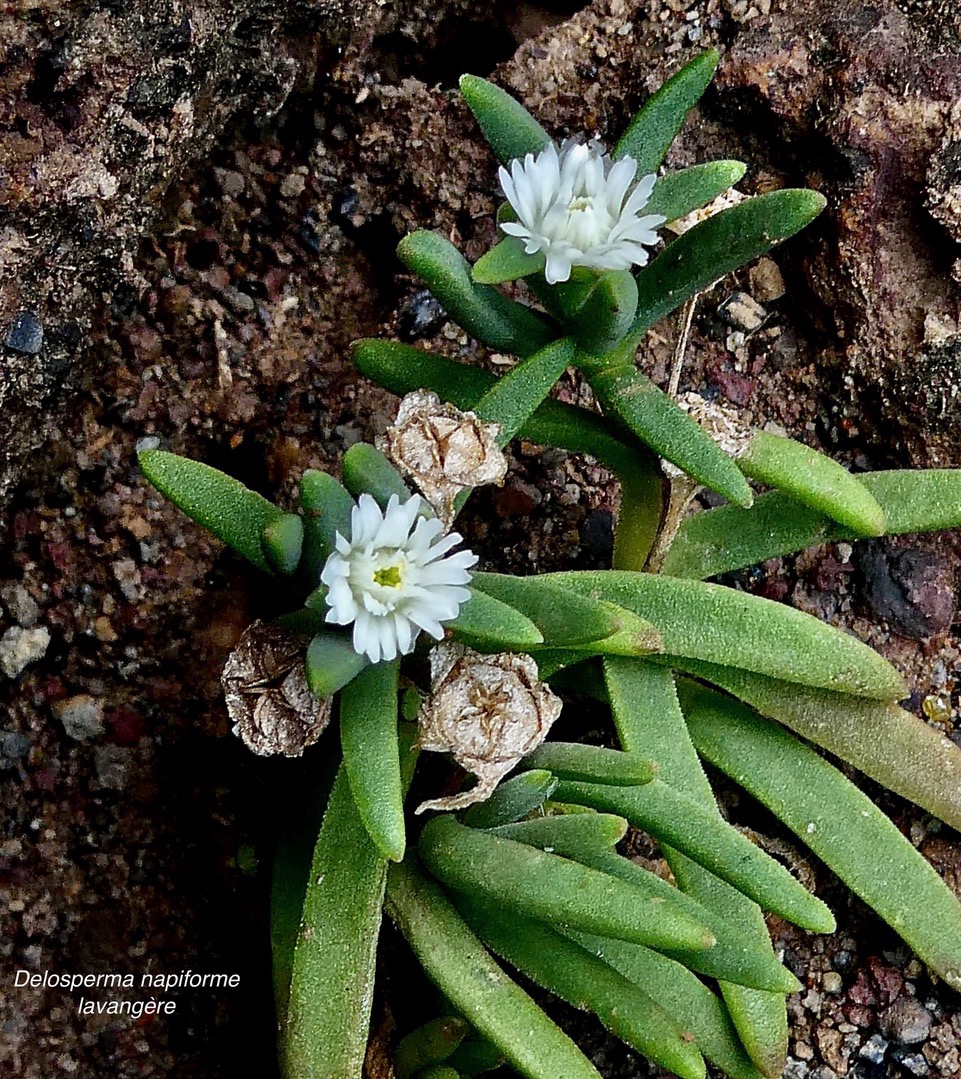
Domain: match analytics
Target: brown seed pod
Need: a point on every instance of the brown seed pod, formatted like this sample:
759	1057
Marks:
445	451
487	712
268	699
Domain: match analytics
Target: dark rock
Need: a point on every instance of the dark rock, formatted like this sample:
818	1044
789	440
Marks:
906	1022
25	334
420	316
912	590
597	532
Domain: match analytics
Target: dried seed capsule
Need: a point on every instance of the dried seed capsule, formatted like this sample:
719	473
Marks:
487	712
268	699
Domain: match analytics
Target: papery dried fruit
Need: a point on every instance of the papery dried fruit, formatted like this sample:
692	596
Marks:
444	450
487	712
268	699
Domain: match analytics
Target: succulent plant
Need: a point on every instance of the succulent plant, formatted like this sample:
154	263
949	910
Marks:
691	671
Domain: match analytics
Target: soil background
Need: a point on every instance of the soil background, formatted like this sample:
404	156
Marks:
199	205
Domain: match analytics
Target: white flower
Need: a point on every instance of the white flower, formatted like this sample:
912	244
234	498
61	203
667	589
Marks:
571	205
391	578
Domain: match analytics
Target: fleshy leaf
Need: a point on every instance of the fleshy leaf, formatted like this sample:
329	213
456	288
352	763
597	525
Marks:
892	746
326	504
722	625
655	126
607	312
676	194
840	824
368	734
813	479
648	719
659	422
513	399
326	1032
724	539
563	617
432	1043
507	125
507	261
535	884
699	833
331	664
487	622
457	963
221	504
366	469
592	764
482	311
578	977
283	542
712	249
685	997
512	800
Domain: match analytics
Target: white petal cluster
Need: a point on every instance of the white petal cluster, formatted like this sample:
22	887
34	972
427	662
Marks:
394	577
574	206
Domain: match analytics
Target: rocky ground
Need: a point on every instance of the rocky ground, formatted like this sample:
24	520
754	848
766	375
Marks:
201	203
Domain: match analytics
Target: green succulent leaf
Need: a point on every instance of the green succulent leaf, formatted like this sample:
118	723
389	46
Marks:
455	960
592	764
840	824
532	883
728	538
332	663
367	470
659	422
326	1030
568	834
221	504
283	542
507	125
606	313
892	746
715	247
368	735
813	479
514	398
476	1056
482	311
327	505
432	1043
589	838
402	369
648	719
512	800
562	616
676	194
684	996
506	261
491	624
655	126
722	625
703	836
570	972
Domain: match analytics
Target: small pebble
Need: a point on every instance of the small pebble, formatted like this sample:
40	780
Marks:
420	315
743	312
832	982
25	334
20	647
767	283
81	716
873	1049
22	606
906	1022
